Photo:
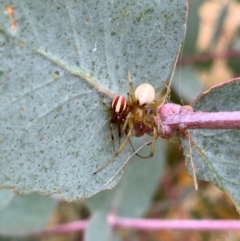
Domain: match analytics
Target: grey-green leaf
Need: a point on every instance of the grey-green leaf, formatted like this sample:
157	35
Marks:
98	229
186	83
133	194
54	129
6	197
216	153
26	214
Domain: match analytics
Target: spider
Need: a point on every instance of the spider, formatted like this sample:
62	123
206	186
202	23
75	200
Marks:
135	116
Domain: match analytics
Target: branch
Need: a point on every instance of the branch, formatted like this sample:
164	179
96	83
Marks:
61	229
144	224
175	118
158	224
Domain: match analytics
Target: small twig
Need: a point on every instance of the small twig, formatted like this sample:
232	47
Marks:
144	224
64	228
158	224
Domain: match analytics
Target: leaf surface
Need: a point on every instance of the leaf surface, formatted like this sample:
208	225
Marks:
54	129
216	153
26	214
133	194
6	197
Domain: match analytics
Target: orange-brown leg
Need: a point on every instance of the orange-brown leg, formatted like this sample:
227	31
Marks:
117	152
112	136
164	97
131	87
154	138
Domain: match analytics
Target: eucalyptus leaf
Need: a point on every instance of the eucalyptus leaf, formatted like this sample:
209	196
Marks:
98	229
186	83
189	47
133	194
6	197
56	59
215	153
26	214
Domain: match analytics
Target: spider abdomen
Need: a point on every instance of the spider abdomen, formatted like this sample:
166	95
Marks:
119	104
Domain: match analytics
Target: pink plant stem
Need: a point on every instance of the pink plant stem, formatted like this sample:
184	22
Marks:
144	224
64	228
176	118
158	224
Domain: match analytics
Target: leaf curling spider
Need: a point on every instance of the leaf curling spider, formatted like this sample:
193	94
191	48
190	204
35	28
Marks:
135	116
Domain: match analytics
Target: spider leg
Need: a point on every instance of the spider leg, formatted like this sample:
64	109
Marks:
112	136
117	152
149	118
134	148
191	142
131	86
119	131
111	129
159	124
147	124
162	100
130	100
124	129
154	138
140	156
127	122
119	134
105	105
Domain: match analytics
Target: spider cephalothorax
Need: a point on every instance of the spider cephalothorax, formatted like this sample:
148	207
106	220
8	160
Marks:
135	115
